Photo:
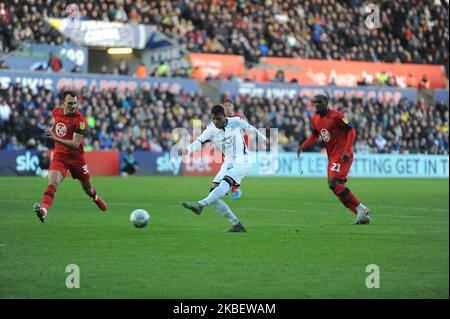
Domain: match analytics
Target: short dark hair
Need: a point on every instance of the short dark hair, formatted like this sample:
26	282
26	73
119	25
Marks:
66	93
218	109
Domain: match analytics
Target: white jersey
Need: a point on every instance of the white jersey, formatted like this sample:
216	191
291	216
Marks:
229	139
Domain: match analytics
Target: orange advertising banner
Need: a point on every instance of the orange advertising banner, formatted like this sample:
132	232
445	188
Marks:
342	73
216	65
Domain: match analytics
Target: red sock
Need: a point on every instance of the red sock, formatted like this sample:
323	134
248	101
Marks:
346	197
47	199
93	193
234	188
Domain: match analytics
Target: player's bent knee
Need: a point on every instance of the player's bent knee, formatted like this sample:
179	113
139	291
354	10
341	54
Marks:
54	178
332	184
229	180
54	182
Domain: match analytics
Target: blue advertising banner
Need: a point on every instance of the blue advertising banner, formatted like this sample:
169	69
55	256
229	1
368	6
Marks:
19	163
283	164
33	57
441	95
155	163
284	89
58	81
364	165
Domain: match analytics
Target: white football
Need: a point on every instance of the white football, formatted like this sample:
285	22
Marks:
139	218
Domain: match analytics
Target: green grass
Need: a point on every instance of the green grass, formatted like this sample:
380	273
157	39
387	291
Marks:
299	244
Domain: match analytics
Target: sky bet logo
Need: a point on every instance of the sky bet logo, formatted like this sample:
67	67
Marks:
27	162
166	164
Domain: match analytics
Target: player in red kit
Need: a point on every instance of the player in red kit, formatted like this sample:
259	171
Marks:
68	131
229	112
338	135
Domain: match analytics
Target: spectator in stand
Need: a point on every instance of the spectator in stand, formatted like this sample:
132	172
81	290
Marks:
141	71
5	115
279	77
382	78
104	69
129	165
411	81
424	84
412	31
144	119
123	68
44	163
163	70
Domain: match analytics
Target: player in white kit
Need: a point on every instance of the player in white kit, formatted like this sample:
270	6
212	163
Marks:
227	134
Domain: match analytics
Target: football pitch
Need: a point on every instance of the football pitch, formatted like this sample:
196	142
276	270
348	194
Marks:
300	241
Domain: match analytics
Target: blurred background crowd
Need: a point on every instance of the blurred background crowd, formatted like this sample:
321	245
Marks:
144	120
412	31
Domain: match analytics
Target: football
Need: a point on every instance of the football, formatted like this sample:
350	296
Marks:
139	218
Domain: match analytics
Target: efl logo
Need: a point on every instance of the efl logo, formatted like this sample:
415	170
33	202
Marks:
373	19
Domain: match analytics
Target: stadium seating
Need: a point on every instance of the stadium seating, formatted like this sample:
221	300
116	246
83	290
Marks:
411	31
144	120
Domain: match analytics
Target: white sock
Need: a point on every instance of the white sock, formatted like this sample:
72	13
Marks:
217	193
224	210
361	208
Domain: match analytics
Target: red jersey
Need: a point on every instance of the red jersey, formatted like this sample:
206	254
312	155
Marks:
64	128
334	128
239	115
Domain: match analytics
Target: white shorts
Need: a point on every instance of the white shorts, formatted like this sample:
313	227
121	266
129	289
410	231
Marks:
235	171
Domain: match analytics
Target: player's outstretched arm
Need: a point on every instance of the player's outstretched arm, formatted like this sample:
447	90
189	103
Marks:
74	143
196	145
205	137
308	143
253	130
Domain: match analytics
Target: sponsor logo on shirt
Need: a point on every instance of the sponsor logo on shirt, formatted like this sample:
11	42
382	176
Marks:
60	129
325	135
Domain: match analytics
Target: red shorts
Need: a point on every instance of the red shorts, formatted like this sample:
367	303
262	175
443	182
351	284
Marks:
77	166
338	169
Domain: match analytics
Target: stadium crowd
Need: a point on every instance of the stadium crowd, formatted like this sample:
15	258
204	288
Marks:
411	31
144	120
